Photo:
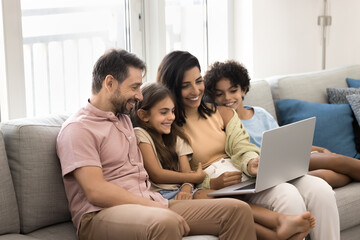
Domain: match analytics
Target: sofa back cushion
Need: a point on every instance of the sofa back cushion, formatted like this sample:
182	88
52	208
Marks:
260	95
311	87
36	172
9	214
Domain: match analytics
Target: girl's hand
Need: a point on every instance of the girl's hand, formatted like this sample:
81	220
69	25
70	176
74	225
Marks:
225	179
183	196
252	167
185	192
199	175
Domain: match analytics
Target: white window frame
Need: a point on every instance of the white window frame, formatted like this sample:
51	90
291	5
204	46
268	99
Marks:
12	78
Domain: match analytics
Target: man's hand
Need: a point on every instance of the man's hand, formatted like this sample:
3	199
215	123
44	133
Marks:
184	225
252	166
225	179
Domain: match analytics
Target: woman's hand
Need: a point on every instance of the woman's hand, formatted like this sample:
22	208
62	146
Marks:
253	166
225	179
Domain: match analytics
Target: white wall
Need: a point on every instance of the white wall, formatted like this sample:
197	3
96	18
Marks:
287	39
344	36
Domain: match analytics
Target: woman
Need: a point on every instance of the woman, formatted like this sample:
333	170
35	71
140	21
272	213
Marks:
210	131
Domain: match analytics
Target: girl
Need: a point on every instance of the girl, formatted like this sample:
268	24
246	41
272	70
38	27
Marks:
220	142
227	84
166	155
161	142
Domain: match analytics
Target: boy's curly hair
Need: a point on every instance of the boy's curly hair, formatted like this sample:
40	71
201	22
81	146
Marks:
232	70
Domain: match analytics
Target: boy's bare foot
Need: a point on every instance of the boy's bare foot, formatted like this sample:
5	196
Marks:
295	226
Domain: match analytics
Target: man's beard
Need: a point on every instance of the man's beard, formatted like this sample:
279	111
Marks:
119	103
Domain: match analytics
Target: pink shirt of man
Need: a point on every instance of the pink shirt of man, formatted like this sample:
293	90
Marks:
92	137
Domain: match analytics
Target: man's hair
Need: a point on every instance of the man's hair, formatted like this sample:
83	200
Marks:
171	73
232	70
115	62
166	145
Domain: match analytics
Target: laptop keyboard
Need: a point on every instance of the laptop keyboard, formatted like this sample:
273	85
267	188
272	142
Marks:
250	186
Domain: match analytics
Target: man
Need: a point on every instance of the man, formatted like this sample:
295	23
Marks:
105	181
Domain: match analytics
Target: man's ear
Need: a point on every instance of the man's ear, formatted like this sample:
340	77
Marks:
143	115
109	83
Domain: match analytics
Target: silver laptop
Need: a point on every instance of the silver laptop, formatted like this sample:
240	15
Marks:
285	155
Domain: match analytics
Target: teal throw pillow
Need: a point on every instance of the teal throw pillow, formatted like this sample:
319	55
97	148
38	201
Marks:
333	129
353	83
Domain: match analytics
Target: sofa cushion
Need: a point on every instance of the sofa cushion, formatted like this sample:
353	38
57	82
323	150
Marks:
36	172
9	217
353	83
16	237
56	232
338	95
348	202
333	129
260	95
311	86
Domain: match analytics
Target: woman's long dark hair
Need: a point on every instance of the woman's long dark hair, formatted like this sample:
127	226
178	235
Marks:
166	143
171	73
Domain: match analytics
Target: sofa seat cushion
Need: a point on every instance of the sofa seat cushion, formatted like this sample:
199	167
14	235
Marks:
200	237
35	168
334	123
56	232
348	202
9	217
16	237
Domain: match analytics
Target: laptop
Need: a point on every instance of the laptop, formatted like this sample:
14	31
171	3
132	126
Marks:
285	155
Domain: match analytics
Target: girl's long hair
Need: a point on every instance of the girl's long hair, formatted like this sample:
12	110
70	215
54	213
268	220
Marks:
171	73
166	143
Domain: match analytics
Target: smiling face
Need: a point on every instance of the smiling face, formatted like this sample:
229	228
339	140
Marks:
161	116
192	88
229	95
124	98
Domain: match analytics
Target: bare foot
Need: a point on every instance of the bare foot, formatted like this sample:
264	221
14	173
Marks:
299	236
290	226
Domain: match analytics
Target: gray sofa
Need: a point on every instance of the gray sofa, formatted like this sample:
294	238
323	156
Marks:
33	204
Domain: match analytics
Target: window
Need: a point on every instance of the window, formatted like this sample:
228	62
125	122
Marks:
198	26
185	22
62	40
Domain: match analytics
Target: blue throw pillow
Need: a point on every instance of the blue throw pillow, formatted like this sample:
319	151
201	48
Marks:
333	129
353	83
